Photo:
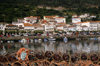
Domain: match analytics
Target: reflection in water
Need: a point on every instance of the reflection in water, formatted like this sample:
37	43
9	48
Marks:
72	47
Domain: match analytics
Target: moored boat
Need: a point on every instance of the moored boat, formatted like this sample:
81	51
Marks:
45	39
65	39
51	39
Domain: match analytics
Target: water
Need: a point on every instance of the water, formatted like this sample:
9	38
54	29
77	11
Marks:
55	46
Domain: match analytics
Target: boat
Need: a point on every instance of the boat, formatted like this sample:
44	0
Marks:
8	41
23	40
1	41
39	40
45	39
12	41
93	38
31	40
51	39
35	40
65	39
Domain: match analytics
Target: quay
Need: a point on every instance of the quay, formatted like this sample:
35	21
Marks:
81	37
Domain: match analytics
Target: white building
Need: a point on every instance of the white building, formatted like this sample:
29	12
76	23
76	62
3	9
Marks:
72	28
76	19
31	19
38	27
2	26
90	25
56	19
85	28
60	20
59	27
28	26
50	18
18	24
49	27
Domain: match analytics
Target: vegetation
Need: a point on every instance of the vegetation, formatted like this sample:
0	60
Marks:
10	10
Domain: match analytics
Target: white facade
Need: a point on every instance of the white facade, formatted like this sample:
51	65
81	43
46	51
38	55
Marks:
71	28
29	28
18	24
90	25
49	27
85	28
59	28
76	19
78	28
2	26
60	20
30	19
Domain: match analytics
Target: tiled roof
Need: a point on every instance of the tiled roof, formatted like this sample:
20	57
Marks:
59	26
44	21
81	22
11	25
86	22
49	16
37	25
59	17
27	24
71	26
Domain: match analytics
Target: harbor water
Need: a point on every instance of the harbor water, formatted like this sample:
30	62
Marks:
72	47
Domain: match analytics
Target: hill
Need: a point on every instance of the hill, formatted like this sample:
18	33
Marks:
10	10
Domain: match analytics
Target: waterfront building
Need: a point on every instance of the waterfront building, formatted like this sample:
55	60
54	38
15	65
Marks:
59	28
76	19
31	19
72	28
2	26
60	20
11	28
56	19
18	24
38	27
28	26
90	25
49	27
50	18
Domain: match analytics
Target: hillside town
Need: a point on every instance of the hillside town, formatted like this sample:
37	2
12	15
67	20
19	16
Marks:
51	24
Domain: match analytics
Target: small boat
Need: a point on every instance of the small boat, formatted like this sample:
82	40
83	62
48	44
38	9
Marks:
65	39
93	38
51	39
1	41
23	41
39	40
36	40
8	41
31	40
12	41
45	39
